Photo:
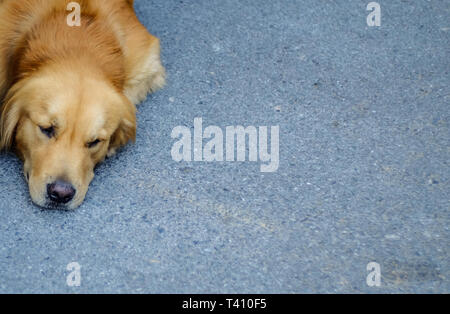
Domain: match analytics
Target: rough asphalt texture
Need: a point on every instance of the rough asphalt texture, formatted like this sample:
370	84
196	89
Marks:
364	161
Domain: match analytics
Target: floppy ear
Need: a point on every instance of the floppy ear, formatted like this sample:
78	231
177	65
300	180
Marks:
126	130
9	117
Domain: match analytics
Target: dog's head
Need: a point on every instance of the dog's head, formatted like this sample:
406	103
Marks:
62	124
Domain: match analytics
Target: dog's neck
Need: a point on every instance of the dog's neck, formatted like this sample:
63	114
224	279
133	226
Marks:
91	47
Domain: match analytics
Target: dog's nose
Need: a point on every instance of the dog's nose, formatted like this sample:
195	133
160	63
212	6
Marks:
60	192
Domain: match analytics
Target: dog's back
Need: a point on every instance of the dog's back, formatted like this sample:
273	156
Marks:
35	30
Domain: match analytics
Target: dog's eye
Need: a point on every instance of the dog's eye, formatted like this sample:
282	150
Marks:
50	132
93	143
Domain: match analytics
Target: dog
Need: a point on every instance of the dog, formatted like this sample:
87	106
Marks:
68	93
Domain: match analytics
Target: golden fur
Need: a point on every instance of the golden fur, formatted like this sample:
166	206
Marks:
81	83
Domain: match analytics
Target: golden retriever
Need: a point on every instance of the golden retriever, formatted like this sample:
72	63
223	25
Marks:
68	92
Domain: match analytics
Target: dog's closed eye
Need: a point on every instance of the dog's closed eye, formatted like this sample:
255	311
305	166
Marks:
50	131
93	143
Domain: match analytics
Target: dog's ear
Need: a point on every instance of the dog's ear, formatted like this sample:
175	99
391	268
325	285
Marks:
126	131
9	118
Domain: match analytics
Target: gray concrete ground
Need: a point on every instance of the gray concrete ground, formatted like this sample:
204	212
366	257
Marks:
364	161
